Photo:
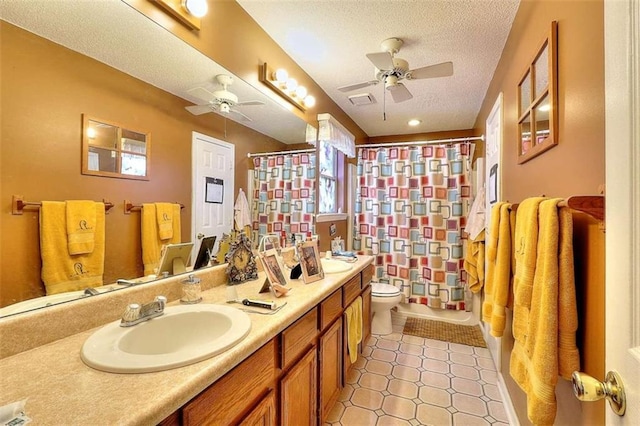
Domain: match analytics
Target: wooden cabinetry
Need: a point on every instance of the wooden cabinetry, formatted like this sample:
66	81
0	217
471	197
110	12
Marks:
330	371
226	401
299	392
264	414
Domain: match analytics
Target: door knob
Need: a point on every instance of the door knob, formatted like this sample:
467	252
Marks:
587	388
200	236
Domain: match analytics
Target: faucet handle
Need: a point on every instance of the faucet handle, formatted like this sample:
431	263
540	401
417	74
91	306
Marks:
132	313
161	301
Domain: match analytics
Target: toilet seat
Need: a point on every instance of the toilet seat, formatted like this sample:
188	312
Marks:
384	290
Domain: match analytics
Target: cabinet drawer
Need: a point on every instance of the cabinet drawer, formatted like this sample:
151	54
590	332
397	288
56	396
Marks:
298	337
219	404
330	308
351	290
367	275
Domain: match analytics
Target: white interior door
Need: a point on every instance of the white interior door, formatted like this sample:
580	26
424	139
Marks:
213	163
622	93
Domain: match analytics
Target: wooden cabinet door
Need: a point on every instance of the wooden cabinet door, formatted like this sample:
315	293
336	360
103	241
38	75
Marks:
299	392
366	316
330	376
264	414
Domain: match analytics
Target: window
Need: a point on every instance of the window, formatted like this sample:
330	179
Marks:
328	178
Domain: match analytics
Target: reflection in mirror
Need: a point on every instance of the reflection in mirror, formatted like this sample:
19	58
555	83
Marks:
525	135
541	72
524	91
542	120
113	151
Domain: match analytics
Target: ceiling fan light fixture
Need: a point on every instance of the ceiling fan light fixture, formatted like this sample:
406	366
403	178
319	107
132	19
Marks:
391	82
225	108
197	8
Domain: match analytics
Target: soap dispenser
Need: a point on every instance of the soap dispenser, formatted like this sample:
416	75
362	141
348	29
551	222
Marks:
191	290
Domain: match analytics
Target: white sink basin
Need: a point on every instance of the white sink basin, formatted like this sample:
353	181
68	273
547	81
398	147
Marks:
331	266
183	335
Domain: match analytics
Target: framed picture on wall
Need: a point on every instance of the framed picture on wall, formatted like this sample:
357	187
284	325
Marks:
309	255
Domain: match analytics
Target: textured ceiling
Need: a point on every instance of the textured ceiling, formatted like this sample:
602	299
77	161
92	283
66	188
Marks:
329	40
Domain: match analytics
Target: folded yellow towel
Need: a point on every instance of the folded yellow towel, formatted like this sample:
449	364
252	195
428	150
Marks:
164	216
81	223
151	242
474	263
498	277
61	271
544	296
353	314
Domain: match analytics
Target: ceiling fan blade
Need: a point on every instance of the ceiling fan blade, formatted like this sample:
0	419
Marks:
199	109
400	93
444	69
202	93
358	86
381	60
242	116
250	103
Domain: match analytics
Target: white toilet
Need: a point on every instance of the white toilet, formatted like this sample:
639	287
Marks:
383	298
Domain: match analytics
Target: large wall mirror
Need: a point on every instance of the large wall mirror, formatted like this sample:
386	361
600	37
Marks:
537	101
110	150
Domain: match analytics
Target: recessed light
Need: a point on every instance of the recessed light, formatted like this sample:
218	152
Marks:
414	122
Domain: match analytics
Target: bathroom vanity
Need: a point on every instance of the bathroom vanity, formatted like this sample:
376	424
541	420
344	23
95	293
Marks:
290	369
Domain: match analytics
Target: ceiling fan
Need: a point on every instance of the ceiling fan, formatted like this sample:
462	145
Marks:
391	70
221	101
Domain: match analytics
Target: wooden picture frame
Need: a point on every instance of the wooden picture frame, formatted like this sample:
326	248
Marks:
538	100
309	255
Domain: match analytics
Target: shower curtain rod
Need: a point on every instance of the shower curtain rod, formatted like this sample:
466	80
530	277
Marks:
295	151
454	140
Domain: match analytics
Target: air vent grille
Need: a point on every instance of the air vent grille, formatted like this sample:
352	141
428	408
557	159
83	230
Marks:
362	99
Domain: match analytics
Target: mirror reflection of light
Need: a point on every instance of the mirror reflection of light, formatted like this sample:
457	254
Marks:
197	8
91	133
544	107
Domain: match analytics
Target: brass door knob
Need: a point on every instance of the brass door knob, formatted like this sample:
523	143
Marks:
200	235
587	388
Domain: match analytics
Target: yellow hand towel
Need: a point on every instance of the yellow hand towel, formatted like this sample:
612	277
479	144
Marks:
568	354
498	277
353	313
474	263
81	224
164	216
61	271
151	242
357	316
544	306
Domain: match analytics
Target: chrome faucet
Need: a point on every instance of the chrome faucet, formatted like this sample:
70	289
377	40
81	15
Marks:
135	314
90	291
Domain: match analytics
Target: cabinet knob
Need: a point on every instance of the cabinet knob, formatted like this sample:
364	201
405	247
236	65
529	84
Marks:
587	388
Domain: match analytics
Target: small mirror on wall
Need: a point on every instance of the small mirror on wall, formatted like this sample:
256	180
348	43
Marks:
538	101
109	149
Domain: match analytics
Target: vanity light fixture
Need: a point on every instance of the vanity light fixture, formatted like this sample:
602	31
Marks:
414	122
280	82
197	8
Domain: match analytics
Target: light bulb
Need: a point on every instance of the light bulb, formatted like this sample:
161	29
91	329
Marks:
197	8
309	101
544	107
292	84
281	75
414	122
91	133
301	92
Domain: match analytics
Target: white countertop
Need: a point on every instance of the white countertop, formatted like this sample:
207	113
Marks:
61	389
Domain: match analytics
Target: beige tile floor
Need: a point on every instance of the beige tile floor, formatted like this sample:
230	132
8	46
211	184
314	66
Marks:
408	380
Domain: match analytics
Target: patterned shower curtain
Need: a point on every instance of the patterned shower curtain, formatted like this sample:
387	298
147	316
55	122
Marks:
283	197
411	209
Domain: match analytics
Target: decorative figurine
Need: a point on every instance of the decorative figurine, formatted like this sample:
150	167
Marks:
241	263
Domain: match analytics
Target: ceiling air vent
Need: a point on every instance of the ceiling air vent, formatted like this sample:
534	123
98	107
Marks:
362	99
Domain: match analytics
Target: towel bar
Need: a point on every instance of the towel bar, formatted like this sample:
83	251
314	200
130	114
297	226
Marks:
130	207
18	204
593	205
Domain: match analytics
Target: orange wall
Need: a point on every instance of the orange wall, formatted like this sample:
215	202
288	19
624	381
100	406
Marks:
574	167
45	90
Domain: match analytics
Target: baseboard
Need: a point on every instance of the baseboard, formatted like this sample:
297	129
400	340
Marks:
506	402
